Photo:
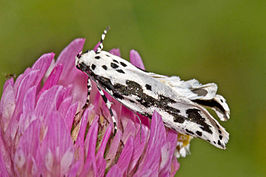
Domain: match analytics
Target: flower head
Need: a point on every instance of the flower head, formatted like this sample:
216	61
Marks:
43	133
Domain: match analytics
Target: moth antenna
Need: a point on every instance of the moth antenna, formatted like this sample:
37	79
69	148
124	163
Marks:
100	47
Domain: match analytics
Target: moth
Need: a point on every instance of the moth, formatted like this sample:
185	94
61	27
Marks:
180	103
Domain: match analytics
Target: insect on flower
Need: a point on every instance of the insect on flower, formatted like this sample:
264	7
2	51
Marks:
180	103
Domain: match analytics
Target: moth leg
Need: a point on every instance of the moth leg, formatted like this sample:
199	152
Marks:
88	95
108	104
80	113
100	47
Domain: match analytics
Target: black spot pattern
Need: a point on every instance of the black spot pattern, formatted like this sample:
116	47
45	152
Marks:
113	65
219	143
220	137
211	103
104	67
199	133
190	132
120	71
93	67
123	64
194	116
200	91
148	87
115	61
133	88
97	57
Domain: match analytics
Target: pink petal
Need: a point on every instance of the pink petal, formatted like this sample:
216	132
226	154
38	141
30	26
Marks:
79	145
113	148
27	148
69	117
7	104
20	78
151	160
96	46
167	153
57	152
4	153
101	164
8	82
29	100
42	64
129	129
136	60
90	167
28	115
105	139
58	135
174	166
53	78
4	172
139	145
114	172
125	156
48	101
27	82
64	106
115	52
67	58
82	130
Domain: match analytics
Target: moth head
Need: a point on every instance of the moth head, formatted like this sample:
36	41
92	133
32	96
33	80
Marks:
84	60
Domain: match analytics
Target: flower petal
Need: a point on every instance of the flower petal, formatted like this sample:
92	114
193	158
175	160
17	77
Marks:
7	164
114	172
42	64
96	46
174	166
69	117
67	58
167	152
7	104
113	148
25	153
4	172
136	60
90	142
151	160
52	78
125	156
49	101
115	52
139	145
105	139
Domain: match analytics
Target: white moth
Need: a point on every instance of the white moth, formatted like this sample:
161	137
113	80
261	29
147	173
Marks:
180	103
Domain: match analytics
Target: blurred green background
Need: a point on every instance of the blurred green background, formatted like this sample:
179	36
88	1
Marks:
222	41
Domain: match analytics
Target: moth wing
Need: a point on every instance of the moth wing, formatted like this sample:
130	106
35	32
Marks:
202	94
178	111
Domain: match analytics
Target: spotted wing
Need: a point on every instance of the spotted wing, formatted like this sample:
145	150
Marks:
204	95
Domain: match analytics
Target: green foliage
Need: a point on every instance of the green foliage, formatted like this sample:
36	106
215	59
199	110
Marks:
223	41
